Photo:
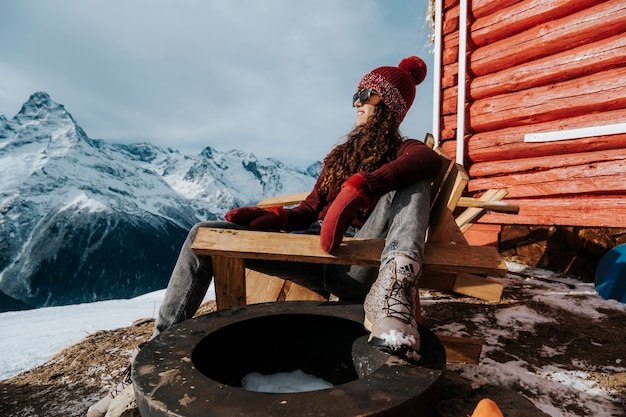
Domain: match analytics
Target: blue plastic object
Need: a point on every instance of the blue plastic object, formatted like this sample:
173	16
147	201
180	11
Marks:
610	280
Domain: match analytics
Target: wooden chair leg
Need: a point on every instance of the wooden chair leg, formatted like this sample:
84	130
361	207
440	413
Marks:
230	281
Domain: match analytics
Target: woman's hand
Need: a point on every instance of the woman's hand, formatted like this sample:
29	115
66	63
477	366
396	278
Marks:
272	218
354	196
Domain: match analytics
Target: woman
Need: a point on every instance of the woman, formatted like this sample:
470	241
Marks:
374	185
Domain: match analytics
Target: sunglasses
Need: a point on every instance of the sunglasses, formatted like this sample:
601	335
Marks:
363	95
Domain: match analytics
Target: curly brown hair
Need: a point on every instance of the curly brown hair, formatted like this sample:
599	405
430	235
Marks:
364	150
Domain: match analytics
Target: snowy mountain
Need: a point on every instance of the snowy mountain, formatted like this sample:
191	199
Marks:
83	220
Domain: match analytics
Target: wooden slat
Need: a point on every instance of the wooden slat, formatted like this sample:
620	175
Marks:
230	281
462	283
306	248
478	287
461	349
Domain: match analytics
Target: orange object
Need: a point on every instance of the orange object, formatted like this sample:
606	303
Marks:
487	408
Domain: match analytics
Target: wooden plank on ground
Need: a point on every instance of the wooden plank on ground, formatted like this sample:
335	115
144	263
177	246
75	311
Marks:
462	283
478	287
461	349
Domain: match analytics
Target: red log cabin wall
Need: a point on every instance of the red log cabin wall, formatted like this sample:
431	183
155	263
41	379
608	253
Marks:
538	66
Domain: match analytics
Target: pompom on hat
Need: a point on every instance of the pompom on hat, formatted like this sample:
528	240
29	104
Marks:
396	85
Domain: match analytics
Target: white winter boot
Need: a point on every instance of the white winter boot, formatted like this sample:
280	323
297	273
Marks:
100	408
390	309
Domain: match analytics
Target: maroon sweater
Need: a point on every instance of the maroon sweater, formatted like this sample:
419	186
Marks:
415	161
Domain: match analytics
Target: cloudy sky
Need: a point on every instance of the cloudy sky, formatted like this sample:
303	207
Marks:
271	77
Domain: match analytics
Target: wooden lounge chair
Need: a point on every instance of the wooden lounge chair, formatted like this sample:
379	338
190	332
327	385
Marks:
449	263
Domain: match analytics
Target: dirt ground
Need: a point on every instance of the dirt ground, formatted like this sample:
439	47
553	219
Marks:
80	374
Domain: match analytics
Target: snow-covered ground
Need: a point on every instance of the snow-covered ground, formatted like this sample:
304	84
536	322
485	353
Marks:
31	337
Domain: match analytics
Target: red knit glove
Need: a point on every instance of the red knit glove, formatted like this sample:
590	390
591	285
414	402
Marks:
354	196
272	218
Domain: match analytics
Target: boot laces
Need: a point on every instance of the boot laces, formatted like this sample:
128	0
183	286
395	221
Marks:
399	300
126	381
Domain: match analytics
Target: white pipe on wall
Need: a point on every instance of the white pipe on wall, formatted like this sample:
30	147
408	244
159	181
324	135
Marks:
462	62
437	71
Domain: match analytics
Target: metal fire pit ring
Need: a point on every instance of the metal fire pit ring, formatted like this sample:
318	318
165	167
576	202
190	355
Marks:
194	369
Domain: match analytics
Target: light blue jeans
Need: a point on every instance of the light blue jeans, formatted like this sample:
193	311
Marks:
400	217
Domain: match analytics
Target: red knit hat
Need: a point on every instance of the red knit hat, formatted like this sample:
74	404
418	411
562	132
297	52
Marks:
396	85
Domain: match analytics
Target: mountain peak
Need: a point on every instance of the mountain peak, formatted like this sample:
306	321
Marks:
38	103
42	114
40	108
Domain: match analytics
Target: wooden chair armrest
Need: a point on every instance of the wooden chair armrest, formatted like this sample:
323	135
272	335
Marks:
493	205
283	200
352	251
